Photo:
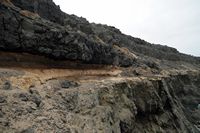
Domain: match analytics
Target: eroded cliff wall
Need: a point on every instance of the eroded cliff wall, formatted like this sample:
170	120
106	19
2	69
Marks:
59	73
99	104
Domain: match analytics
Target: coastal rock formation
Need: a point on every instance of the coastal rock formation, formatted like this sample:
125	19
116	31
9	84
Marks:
61	74
24	31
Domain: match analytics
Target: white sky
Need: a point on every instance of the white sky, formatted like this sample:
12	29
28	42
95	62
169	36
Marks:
175	23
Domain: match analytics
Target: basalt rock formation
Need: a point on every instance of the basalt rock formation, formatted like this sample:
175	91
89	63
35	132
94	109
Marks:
61	74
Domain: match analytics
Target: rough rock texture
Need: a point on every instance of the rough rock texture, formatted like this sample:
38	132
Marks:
61	74
25	31
62	36
45	8
110	104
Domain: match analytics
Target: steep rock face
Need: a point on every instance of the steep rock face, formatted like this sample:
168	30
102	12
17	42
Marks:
56	75
125	105
24	31
112	35
94	40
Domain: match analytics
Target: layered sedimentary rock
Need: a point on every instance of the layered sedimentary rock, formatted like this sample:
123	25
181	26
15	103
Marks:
33	102
59	73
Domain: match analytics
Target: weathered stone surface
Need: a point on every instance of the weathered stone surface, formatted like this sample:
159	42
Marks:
55	76
23	32
67	37
122	105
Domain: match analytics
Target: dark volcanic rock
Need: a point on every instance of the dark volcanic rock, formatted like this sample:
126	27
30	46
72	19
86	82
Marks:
68	84
112	35
40	27
158	93
23	31
45	8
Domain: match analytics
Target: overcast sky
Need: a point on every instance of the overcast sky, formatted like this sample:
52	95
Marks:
175	23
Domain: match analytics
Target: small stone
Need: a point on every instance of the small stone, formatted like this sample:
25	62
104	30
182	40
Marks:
28	130
24	97
42	118
7	85
33	91
32	108
36	99
67	84
2	99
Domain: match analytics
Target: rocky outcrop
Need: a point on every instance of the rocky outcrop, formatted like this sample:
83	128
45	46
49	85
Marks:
112	35
61	36
59	73
45	8
25	31
126	105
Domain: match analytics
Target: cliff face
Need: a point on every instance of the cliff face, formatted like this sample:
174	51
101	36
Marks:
25	31
40	27
60	73
89	103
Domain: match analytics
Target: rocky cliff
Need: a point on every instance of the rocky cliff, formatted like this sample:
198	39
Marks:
61	74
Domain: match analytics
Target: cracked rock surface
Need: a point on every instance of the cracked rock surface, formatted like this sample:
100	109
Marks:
61	74
110	104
